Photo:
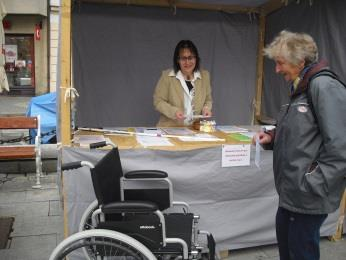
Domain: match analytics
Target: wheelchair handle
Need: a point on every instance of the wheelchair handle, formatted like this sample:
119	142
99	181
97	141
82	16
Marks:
97	145
101	144
71	166
76	165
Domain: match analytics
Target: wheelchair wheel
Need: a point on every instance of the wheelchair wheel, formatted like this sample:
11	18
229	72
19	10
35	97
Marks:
101	244
208	256
85	222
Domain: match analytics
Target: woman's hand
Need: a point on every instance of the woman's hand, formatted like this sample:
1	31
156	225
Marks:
262	137
179	115
206	112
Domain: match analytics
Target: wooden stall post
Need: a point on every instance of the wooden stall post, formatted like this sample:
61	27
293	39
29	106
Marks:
65	79
65	76
340	224
264	10
259	77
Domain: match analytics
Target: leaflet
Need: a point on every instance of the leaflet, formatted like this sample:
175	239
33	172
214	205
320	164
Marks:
231	129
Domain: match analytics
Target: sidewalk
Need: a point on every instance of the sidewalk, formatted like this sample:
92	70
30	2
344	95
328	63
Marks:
329	251
13	105
38	224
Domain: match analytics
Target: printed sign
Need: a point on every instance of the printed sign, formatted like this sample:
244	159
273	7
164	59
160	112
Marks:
235	155
11	53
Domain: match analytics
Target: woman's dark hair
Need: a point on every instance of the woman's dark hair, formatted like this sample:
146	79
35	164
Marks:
185	44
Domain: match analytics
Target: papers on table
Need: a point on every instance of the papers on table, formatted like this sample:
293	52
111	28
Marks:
231	129
249	134
152	137
159	136
86	140
178	131
153	141
199	138
240	137
117	130
153	131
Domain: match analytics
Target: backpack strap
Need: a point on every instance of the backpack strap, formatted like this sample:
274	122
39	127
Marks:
329	73
324	72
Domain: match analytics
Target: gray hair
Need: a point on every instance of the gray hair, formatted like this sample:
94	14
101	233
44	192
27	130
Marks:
293	47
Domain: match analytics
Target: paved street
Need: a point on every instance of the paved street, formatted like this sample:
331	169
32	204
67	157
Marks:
38	225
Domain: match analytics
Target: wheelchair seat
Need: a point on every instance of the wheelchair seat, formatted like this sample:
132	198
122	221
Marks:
108	173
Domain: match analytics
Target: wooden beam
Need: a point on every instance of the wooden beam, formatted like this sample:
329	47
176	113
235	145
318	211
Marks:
176	4
17	152
259	77
271	6
65	72
340	224
18	122
65	83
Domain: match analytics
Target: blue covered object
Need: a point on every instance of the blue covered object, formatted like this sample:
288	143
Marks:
45	106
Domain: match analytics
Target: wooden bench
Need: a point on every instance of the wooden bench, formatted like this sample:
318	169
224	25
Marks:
25	151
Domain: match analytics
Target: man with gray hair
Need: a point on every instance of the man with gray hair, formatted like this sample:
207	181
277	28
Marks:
309	145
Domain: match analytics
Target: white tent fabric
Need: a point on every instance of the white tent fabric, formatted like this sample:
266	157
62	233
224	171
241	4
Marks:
3	77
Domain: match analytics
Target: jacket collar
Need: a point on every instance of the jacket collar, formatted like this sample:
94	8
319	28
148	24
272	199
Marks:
307	73
196	74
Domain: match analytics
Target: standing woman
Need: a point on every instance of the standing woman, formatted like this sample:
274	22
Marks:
309	157
184	91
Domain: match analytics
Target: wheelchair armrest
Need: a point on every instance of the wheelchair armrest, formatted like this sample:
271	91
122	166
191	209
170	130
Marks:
129	207
146	174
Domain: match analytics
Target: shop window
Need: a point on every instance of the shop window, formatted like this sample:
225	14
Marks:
20	64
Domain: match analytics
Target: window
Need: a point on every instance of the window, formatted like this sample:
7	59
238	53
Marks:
20	64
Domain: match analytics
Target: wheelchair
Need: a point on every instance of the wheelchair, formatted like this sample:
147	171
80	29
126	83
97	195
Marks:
133	223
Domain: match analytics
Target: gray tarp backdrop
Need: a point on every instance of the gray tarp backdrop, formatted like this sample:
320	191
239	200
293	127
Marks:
325	21
120	51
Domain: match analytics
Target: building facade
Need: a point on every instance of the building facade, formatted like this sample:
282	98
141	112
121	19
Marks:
54	43
27	46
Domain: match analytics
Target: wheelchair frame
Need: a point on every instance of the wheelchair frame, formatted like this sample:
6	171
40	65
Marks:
93	216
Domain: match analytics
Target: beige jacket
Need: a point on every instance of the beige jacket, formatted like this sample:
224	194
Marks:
169	97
